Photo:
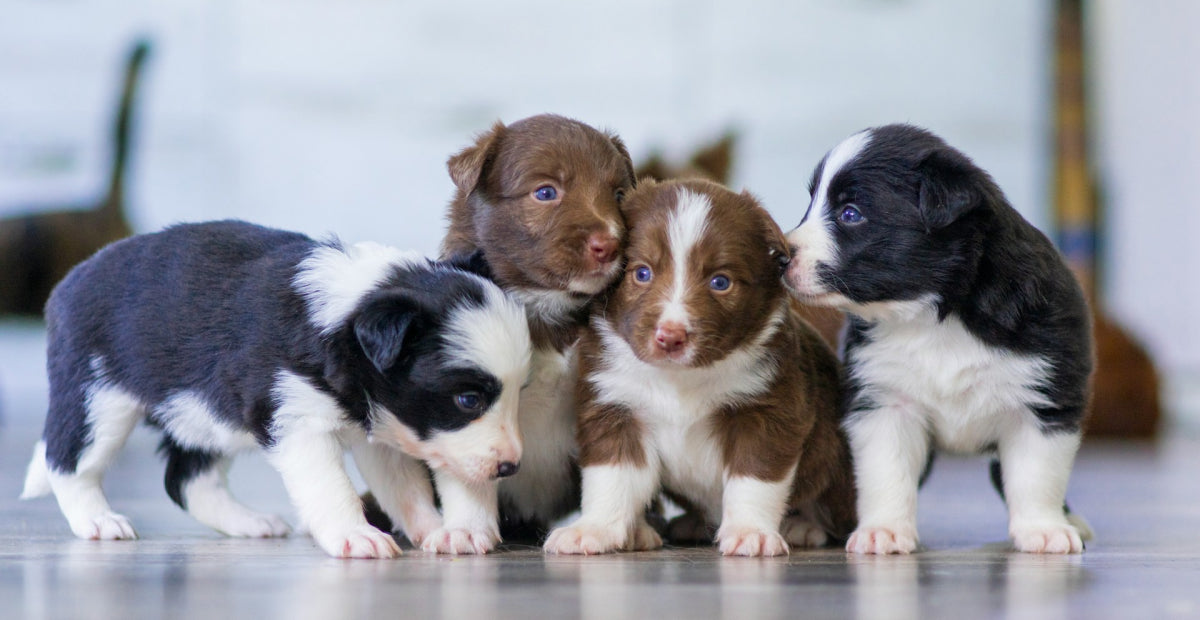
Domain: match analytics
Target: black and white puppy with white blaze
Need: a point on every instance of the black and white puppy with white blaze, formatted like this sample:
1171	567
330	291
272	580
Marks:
225	336
966	332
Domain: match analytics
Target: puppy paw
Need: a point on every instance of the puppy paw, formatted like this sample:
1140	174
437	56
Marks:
643	538
361	541
750	541
460	541
690	528
1047	538
255	525
419	529
882	540
802	533
587	539
104	526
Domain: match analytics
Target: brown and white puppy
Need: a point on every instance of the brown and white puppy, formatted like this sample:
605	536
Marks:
541	198
699	378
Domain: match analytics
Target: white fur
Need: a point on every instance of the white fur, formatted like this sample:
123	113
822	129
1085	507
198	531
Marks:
753	510
551	306
37	476
494	337
333	280
401	485
612	514
933	380
208	499
685	229
965	391
191	423
111	413
813	238
470	516
1036	469
547	421
308	456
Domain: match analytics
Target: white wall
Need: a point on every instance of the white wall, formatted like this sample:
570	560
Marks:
1148	123
338	116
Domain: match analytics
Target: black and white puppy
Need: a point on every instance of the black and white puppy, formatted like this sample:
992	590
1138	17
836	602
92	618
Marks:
966	332
227	336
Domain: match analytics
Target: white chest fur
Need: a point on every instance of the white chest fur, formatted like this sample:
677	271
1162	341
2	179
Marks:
546	416
676	408
970	394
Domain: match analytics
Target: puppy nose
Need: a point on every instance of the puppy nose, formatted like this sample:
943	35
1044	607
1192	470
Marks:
670	337
603	247
506	469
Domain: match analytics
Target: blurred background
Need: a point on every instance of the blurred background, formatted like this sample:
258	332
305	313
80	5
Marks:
338	116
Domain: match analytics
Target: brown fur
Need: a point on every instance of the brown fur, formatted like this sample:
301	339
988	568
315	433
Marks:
539	246
36	251
714	162
794	423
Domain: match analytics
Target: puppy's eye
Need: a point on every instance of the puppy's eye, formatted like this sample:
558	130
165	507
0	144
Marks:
619	195
851	215
545	193
642	274
719	283
469	402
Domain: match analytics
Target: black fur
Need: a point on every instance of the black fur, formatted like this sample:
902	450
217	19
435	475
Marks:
211	308
935	223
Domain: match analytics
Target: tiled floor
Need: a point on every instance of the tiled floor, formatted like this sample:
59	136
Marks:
1143	500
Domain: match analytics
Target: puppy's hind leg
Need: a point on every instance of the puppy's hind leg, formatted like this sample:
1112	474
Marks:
197	481
83	436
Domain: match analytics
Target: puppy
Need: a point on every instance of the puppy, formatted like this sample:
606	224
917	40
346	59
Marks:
541	199
227	335
698	377
967	332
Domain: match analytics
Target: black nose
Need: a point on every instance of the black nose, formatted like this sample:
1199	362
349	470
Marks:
507	469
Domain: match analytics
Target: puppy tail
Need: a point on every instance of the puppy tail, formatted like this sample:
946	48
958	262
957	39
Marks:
37	477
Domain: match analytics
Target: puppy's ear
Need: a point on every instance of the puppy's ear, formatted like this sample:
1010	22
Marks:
473	262
381	326
778	248
950	187
620	144
468	165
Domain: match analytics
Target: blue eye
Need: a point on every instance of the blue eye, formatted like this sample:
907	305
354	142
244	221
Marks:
719	283
850	215
469	401
545	193
642	274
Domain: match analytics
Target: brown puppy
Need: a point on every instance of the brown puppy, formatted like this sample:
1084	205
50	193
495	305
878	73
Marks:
699	377
541	198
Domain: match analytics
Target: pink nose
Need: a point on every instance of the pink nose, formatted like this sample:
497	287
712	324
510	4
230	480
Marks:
670	337
602	247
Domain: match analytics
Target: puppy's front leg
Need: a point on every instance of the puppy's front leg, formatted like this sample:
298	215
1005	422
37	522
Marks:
890	447
753	510
1037	465
401	485
620	476
470	516
613	514
310	463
